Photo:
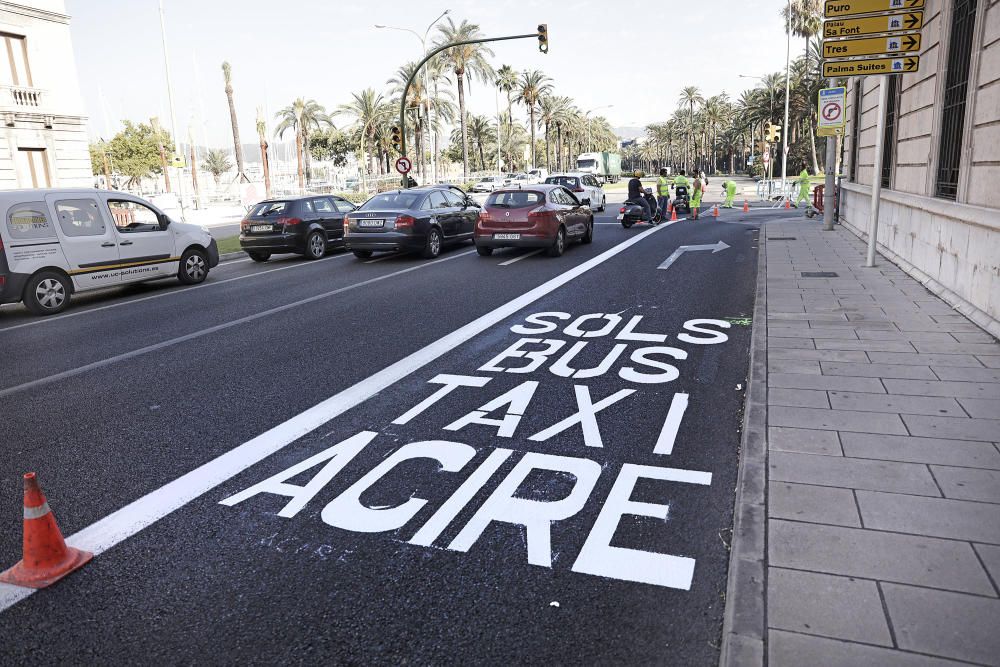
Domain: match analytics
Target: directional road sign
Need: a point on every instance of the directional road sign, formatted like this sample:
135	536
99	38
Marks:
835	8
872	46
838	68
832	115
873	25
403	165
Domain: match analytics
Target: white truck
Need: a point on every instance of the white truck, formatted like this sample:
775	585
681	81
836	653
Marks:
607	167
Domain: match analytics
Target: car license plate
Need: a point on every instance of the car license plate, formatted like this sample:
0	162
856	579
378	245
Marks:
621	216
506	237
371	223
260	228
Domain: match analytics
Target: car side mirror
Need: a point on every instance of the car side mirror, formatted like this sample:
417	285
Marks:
469	201
164	221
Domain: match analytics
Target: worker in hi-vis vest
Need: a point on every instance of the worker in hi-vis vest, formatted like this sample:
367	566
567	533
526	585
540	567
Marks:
729	187
662	192
803	188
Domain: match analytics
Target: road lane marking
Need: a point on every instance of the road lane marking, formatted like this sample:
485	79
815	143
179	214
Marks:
137	515
384	257
520	257
209	330
183	290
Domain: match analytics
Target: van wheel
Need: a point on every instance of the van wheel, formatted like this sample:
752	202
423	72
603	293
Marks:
315	246
362	254
259	256
559	245
484	251
47	293
193	268
433	246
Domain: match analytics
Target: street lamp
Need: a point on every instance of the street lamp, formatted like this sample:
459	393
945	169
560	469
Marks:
430	120
587	116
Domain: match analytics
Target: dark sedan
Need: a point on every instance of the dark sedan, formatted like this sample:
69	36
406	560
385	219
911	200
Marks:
305	225
418	219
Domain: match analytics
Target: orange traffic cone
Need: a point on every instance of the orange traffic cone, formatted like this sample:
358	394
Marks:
746	206
673	214
788	204
715	211
46	558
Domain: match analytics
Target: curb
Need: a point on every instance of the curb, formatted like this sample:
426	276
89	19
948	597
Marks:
743	623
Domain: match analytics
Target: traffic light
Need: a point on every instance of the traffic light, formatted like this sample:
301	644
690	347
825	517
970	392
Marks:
543	37
773	133
397	137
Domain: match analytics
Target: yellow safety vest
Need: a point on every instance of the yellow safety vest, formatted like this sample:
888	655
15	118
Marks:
663	186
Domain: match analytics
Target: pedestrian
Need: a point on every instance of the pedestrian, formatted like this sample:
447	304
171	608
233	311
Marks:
729	188
696	189
662	192
803	188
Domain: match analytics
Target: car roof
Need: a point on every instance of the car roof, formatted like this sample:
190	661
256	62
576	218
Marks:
541	187
571	174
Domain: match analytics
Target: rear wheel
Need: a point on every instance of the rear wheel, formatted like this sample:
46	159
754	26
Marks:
362	254
193	267
588	236
484	251
626	223
258	256
432	248
46	293
315	246
604	203
559	245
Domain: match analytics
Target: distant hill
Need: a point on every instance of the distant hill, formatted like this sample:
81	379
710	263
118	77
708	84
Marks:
629	133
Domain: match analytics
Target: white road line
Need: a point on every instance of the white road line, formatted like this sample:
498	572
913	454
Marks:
384	257
520	257
213	329
185	290
126	522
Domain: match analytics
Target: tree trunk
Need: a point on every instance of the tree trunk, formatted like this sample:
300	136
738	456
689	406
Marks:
237	146
265	166
298	154
461	113
531	113
305	153
194	174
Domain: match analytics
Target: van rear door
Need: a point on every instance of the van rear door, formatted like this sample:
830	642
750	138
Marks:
87	240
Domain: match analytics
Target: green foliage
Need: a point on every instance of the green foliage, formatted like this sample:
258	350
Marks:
96	158
217	163
134	152
332	145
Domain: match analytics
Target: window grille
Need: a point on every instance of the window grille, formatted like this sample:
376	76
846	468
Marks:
955	94
856	130
891	123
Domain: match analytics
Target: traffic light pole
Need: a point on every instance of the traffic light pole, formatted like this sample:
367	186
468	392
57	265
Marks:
416	71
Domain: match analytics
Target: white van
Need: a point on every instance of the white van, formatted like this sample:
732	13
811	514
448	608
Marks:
54	242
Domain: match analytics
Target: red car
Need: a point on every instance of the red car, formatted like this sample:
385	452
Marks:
536	216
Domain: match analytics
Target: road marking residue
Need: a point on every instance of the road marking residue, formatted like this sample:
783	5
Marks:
520	257
137	515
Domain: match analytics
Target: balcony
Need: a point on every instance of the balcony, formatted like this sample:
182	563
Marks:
21	98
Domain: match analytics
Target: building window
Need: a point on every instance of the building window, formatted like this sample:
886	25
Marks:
856	130
891	123
17	72
963	21
33	167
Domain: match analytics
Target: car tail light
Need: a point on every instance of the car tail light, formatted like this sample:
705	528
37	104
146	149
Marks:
3	279
621	210
539	214
405	221
288	222
484	216
244	225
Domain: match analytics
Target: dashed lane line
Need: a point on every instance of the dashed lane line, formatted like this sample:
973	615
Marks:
520	257
126	522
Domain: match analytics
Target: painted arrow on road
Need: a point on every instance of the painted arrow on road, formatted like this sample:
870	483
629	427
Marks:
714	247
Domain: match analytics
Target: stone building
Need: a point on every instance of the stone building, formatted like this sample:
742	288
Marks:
43	133
940	210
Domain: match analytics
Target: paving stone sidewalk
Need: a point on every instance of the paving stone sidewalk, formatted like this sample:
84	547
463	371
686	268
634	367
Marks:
883	464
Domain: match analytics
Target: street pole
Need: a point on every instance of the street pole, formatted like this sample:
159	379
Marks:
496	100
784	129
830	182
883	81
170	102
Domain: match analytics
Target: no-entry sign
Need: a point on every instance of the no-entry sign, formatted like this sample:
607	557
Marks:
831	117
403	165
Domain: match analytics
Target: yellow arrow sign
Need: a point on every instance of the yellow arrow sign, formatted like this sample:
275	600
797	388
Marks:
872	25
872	46
834	8
863	67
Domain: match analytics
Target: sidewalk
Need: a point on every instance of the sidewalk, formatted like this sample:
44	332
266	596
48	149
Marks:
868	511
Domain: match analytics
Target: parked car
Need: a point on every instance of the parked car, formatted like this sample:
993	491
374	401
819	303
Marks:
540	216
584	186
424	219
488	184
537	175
56	242
308	226
519	179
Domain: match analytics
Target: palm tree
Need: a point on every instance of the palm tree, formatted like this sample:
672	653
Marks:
217	163
690	96
506	81
303	116
549	108
369	109
264	162
480	133
227	76
531	87
805	19
418	98
465	59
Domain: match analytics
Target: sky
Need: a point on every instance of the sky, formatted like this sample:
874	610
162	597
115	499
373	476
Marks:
633	55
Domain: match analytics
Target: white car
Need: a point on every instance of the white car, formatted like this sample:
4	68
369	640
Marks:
538	175
54	242
489	184
585	186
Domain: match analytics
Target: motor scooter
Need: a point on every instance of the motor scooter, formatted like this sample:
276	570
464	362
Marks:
682	200
631	212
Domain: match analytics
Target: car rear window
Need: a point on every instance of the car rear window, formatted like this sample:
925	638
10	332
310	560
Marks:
565	181
266	208
393	201
519	199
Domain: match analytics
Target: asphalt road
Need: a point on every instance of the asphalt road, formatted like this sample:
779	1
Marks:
613	437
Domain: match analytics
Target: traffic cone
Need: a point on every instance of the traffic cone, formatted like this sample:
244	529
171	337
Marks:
673	214
46	558
715	211
788	204
746	206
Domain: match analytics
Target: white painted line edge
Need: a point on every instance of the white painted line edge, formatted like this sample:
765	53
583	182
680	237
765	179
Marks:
520	257
129	520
